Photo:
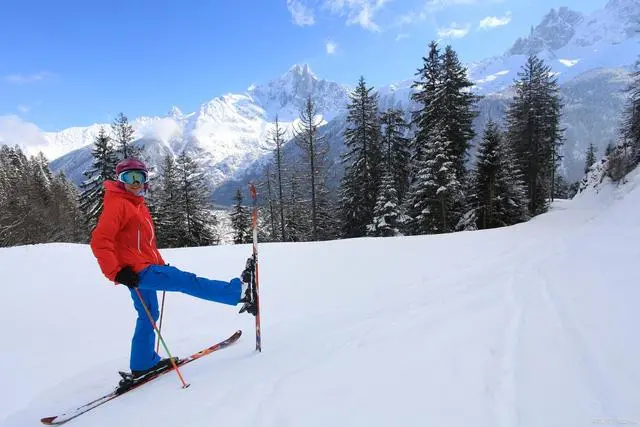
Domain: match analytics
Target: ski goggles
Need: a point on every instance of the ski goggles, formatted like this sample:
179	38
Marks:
133	176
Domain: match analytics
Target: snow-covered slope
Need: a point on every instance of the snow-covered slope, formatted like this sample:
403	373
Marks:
532	325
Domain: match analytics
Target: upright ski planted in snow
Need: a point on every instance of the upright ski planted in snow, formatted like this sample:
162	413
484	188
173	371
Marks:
254	226
63	418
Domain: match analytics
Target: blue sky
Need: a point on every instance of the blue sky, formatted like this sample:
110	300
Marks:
72	63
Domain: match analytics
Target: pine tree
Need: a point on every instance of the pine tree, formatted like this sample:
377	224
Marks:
170	223
295	213
534	130
314	150
499	193
435	190
123	138
65	214
46	207
193	199
397	151
240	221
458	105
427	91
362	160
590	158
277	136
387	211
102	169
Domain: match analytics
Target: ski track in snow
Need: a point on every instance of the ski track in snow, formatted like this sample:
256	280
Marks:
505	397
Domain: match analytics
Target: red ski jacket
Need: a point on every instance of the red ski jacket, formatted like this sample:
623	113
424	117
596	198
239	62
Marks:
124	234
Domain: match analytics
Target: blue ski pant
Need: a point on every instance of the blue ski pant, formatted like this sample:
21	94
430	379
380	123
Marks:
167	278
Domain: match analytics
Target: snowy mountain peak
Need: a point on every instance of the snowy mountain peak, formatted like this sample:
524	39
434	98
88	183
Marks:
557	28
286	94
175	112
301	71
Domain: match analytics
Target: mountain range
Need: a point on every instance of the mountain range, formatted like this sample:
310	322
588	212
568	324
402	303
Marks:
591	56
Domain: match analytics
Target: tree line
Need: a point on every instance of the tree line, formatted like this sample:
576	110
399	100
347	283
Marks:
39	207
409	172
405	172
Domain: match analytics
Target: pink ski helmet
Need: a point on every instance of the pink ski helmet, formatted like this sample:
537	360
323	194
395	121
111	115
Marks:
130	164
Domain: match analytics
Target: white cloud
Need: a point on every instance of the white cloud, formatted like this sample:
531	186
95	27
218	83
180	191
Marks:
23	108
430	7
494	21
28	78
358	12
301	14
331	47
454	31
402	36
16	131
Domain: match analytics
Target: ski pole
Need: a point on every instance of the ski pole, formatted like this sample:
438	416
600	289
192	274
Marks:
161	319
153	323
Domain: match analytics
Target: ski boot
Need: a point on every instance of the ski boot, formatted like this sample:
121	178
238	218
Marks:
249	297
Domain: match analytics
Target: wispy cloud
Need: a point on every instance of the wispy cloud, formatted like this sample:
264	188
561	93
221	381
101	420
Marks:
331	47
300	13
495	21
402	36
455	31
24	109
20	79
358	12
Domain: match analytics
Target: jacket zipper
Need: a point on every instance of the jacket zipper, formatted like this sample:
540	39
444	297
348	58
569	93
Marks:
151	241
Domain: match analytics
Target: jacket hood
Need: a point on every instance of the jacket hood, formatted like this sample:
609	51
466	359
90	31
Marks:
116	189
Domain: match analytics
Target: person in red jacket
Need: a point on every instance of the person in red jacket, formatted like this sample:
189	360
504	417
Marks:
124	244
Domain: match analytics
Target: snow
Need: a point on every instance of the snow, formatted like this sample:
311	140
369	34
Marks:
568	62
531	325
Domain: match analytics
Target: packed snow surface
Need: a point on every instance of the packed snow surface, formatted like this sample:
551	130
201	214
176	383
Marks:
531	325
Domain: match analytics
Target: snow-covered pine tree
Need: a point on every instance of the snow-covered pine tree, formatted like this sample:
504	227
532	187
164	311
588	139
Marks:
362	161
387	210
435	191
427	92
193	199
499	198
170	222
102	169
13	224
66	215
314	149
459	109
240	221
488	166
123	138
590	158
45	209
397	150
534	130
515	204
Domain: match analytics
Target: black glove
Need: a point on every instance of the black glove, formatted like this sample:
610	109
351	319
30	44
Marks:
128	277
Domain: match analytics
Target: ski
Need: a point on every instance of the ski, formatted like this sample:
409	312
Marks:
254	225
119	391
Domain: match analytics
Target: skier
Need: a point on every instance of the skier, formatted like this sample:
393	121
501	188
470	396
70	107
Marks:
124	245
